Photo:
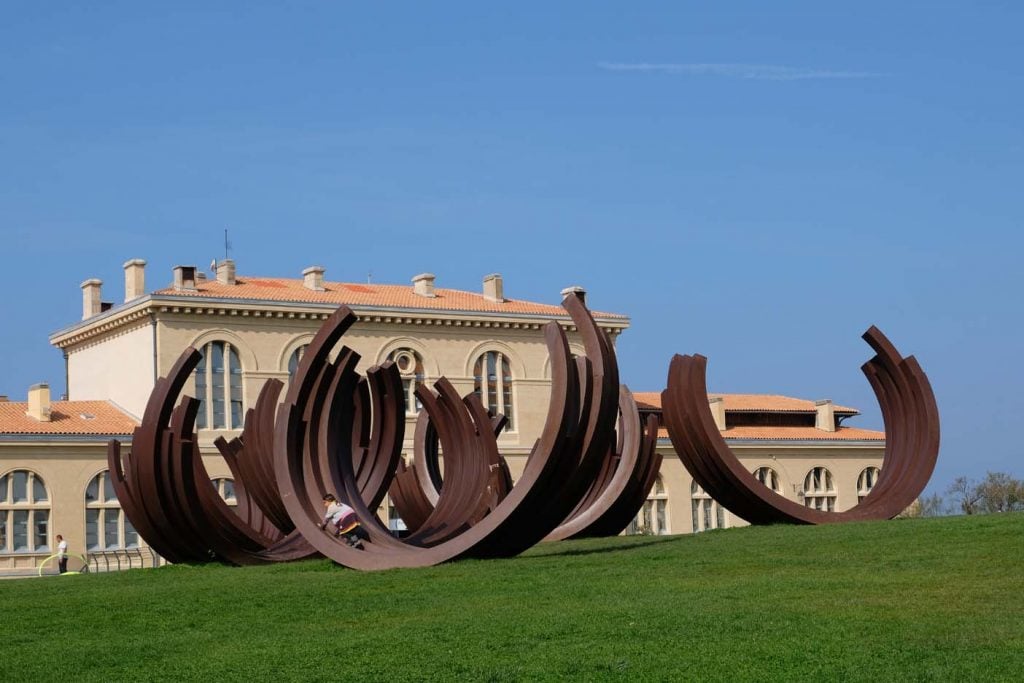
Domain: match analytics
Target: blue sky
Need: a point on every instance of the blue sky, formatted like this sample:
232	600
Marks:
757	182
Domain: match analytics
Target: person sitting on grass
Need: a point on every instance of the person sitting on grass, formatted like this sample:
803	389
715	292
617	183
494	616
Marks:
344	522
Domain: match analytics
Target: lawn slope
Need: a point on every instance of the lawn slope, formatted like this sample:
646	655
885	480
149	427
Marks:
937	599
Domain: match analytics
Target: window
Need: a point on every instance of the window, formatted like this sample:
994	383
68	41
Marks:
819	491
410	367
219	387
24	513
295	359
705	511
492	381
106	527
653	516
395	523
226	488
768	477
866	481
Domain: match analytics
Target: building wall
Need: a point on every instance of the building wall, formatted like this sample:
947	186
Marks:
66	467
116	367
265	348
791	463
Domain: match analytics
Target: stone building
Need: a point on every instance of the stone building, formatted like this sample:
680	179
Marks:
250	329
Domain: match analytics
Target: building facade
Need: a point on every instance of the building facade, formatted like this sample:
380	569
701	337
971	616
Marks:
250	329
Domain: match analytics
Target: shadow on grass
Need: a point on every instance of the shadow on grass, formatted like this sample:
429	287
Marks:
642	542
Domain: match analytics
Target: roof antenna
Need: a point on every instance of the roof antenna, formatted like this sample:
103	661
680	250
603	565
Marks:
227	245
369	276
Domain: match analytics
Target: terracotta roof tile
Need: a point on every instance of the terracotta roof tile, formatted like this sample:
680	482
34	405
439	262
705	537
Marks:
69	418
797	434
394	296
748	403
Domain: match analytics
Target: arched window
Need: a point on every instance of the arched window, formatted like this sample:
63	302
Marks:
654	514
819	490
226	488
866	481
707	513
410	367
294	359
219	387
768	477
492	381
24	513
106	527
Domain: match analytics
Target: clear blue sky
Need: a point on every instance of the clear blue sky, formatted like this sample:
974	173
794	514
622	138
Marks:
757	182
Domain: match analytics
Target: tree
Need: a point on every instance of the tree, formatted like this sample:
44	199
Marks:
997	492
932	506
965	493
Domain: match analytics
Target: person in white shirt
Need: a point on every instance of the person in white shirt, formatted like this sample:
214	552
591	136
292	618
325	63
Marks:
62	554
344	521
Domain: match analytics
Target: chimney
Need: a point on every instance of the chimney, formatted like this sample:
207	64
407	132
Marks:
313	278
134	279
39	402
91	303
226	271
825	420
494	288
423	285
3	398
575	291
717	404
184	277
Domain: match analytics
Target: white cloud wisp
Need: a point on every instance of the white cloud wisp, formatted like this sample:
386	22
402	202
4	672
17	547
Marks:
758	72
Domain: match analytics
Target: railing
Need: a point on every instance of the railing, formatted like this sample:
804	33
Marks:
127	558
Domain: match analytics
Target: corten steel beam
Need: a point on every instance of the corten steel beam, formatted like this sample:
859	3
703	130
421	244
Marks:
558	474
626	477
911	419
416	486
167	494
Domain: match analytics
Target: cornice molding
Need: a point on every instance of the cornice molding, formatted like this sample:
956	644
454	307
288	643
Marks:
157	306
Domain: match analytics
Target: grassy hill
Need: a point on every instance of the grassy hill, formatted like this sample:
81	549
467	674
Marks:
936	599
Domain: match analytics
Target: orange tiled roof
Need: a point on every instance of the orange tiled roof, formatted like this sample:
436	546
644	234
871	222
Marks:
797	434
68	418
396	296
748	403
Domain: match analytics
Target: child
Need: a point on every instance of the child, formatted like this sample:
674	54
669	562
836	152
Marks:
345	522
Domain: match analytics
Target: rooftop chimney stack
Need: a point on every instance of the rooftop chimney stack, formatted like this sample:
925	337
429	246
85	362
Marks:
226	271
134	279
575	291
313	278
91	303
184	278
39	402
825	420
494	288
423	285
717	404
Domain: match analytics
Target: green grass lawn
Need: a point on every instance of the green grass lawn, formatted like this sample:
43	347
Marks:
935	599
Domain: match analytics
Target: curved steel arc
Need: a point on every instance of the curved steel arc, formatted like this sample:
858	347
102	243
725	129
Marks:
911	421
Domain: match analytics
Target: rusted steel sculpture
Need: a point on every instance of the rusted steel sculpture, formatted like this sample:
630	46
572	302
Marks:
626	477
338	432
911	447
416	486
166	492
466	520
